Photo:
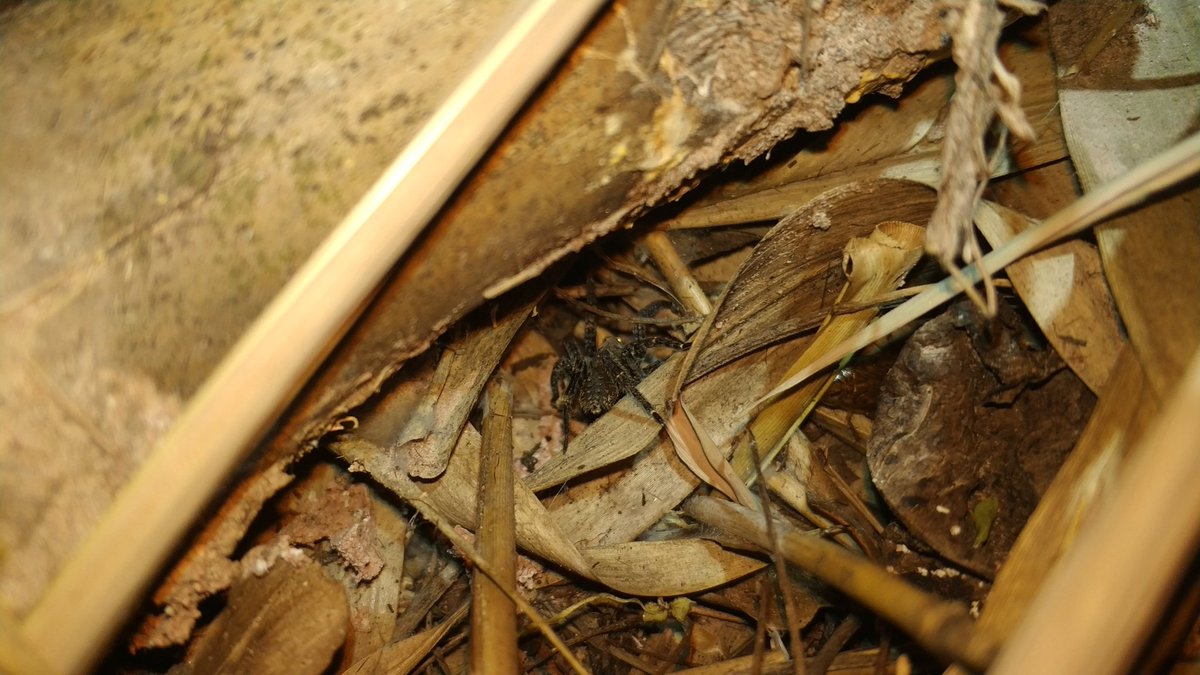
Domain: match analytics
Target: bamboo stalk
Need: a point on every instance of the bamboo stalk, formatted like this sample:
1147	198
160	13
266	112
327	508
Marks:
1102	600
17	656
943	628
677	274
102	581
493	616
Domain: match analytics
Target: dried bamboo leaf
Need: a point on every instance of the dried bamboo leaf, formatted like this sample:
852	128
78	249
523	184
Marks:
696	449
1159	173
541	532
465	365
874	265
1063	287
659	480
401	657
671	568
800	255
292	620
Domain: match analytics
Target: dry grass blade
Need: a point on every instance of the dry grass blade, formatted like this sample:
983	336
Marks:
402	657
1145	533
874	265
943	628
700	455
1165	170
493	619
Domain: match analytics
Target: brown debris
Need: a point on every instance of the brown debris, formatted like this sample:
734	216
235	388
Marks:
972	424
290	621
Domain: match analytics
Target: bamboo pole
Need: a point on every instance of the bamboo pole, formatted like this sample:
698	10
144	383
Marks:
104	578
1102	600
493	615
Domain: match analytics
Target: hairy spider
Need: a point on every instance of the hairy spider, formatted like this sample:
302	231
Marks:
588	380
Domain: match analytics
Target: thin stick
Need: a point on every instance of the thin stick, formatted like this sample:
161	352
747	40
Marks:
677	273
1164	170
943	628
1134	549
493	616
107	574
517	599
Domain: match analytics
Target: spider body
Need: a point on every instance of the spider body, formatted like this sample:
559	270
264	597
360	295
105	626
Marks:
588	380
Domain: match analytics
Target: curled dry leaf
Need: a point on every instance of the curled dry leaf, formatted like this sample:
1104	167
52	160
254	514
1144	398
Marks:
874	265
700	454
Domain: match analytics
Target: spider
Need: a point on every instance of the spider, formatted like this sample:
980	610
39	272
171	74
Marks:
588	380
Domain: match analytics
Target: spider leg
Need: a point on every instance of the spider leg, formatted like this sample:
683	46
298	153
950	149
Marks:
566	378
629	376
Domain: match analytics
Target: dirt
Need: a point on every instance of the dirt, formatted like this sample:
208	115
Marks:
973	422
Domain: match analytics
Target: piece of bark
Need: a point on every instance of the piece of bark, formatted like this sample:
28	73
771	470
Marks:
972	425
886	139
290	621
